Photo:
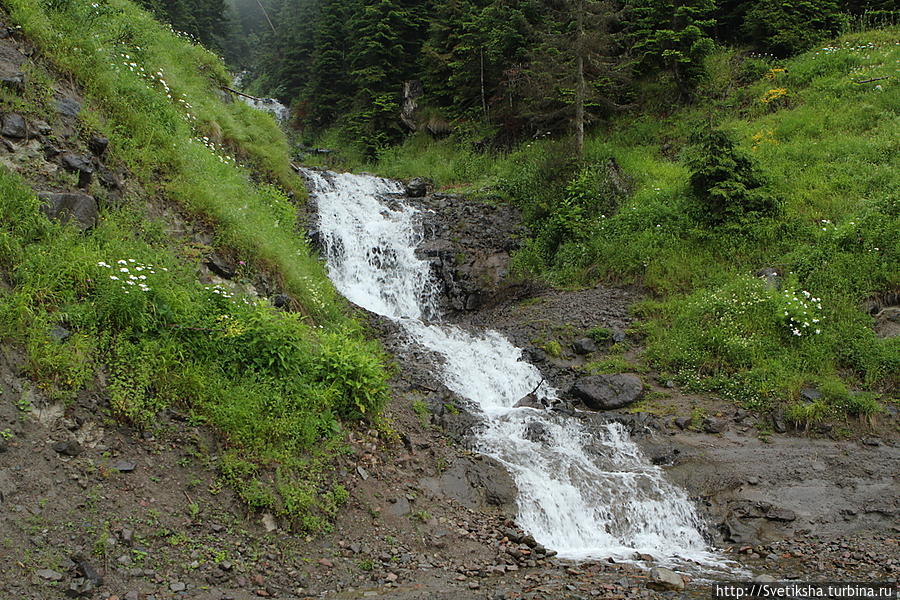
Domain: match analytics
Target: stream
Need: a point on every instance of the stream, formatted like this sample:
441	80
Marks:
585	494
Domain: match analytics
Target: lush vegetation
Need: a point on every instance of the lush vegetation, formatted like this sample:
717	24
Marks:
277	384
784	164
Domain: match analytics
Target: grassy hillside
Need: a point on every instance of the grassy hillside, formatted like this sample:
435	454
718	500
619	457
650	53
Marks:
822	131
144	332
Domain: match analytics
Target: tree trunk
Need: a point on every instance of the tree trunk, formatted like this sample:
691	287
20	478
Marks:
580	90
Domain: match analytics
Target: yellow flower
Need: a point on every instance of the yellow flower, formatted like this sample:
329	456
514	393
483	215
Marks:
773	94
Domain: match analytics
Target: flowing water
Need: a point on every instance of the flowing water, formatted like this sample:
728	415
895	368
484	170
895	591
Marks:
585	494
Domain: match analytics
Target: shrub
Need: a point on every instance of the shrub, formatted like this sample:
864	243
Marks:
725	181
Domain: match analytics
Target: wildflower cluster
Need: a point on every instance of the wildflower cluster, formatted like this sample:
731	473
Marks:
774	72
801	313
220	153
157	79
850	47
773	95
763	137
132	275
220	291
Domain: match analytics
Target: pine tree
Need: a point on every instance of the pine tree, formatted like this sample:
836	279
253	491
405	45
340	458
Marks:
579	70
673	35
791	26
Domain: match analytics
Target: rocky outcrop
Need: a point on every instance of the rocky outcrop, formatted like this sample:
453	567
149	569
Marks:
479	483
81	209
607	392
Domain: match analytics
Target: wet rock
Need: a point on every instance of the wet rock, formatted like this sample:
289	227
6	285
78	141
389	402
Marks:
75	207
67	448
606	392
220	266
417	188
584	346
530	401
13	126
536	432
665	579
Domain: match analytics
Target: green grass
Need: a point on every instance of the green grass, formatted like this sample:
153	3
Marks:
278	385
827	147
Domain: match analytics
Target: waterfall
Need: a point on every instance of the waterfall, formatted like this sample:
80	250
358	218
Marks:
585	494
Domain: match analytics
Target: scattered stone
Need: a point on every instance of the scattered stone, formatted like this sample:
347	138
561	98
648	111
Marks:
124	466
177	586
618	335
49	575
665	579
714	425
80	587
362	473
65	207
13	126
67	448
607	392
584	346
326	563
87	571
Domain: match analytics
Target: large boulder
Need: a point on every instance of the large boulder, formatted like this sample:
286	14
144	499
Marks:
608	392
65	207
665	579
417	188
13	126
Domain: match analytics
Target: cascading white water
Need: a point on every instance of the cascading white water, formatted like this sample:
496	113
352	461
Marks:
584	494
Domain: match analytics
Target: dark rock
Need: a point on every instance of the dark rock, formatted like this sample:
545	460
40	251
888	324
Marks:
738	532
13	126
80	588
220	266
78	163
109	179
477	484
530	401
67	448
683	422
281	301
68	107
536	355
412	91
14	80
780	514
98	144
714	425
661	455
124	466
65	207
417	188
605	392
618	335
584	346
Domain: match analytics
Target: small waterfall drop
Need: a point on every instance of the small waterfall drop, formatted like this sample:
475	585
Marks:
585	494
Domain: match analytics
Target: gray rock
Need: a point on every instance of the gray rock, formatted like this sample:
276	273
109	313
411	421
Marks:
12	80
66	207
59	333
87	571
607	392
417	188
618	335
529	401
67	448
41	127
683	422
584	346
665	579
785	515
764	579
124	466
80	588
177	586
13	126
68	107
714	425
778	423
810	394
49	575
399	506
